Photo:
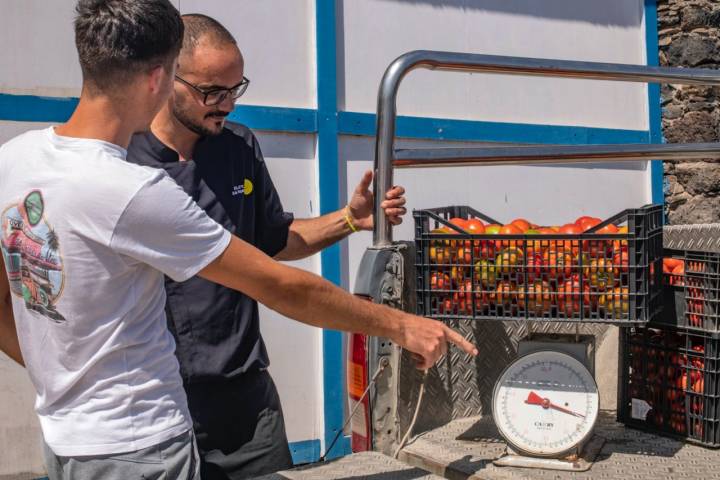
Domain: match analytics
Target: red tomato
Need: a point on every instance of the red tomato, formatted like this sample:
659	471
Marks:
570	297
570	229
608	229
475	226
459	222
440	281
521	223
588	223
584	218
510	229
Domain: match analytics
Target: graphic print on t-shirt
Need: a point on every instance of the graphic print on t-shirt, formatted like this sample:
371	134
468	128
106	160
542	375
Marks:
31	252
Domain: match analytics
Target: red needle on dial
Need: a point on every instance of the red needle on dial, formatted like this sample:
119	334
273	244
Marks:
535	399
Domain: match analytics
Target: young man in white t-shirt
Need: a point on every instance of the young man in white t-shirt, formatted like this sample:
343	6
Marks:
86	238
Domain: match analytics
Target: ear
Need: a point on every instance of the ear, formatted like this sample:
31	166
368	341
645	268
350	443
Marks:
158	79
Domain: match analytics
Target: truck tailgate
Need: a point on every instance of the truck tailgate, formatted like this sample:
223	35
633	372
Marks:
369	465
465	449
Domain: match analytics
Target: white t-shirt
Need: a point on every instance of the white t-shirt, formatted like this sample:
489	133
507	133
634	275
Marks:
86	239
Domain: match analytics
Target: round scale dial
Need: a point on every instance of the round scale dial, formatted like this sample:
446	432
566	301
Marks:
545	404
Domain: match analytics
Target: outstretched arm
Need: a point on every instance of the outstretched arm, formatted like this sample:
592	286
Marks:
312	300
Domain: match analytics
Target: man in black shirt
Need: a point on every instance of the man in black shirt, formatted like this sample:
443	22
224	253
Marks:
234	403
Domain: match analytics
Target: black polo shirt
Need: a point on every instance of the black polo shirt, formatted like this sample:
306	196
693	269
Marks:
217	329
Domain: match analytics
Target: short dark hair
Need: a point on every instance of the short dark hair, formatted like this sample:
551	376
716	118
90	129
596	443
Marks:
199	26
117	38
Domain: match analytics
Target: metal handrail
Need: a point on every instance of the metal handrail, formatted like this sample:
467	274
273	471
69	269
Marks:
386	157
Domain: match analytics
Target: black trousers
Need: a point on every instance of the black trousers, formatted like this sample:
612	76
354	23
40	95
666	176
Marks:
239	427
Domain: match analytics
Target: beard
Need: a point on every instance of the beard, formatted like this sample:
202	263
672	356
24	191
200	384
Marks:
183	116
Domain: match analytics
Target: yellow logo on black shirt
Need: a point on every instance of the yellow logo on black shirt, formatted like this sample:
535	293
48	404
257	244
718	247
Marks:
245	189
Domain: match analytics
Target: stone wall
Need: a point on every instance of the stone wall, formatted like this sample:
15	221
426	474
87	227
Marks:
689	36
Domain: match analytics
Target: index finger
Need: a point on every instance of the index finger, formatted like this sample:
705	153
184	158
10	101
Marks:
453	337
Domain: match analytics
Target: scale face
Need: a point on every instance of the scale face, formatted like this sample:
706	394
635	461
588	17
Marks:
545	404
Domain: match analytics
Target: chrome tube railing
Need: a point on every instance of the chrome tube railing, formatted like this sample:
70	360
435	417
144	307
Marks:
386	157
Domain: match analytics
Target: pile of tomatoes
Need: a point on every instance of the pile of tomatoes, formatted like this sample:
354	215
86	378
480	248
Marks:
670	377
674	273
547	272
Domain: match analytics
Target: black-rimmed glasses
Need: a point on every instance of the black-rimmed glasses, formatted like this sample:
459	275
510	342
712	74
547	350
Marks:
218	95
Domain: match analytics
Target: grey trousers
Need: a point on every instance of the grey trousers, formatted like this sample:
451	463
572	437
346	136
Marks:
175	459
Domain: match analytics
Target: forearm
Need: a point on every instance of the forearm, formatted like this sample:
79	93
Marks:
308	236
9	343
301	295
315	301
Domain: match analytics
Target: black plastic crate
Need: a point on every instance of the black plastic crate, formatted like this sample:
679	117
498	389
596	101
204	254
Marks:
589	277
691	296
669	383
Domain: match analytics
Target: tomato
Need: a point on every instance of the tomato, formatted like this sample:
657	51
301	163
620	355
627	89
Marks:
570	298
602	274
535	266
522	224
588	223
475	226
509	229
492	228
672	262
570	229
440	281
609	229
464	255
464	297
682	382
679	270
509	260
621	260
616	302
484	249
582	219
485	273
459	222
506	294
539	298
441	255
559	263
458	273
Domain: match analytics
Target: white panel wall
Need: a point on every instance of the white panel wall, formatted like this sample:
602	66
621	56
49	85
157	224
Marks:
295	349
277	40
279	49
377	31
547	195
39	56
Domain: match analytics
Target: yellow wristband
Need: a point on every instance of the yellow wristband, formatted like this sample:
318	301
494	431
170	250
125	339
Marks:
348	220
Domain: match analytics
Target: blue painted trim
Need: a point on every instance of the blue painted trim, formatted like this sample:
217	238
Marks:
353	123
31	108
654	101
294	120
300	120
329	175
306	451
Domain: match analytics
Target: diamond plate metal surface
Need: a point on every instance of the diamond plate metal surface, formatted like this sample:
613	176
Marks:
370	465
701	238
461	386
465	448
